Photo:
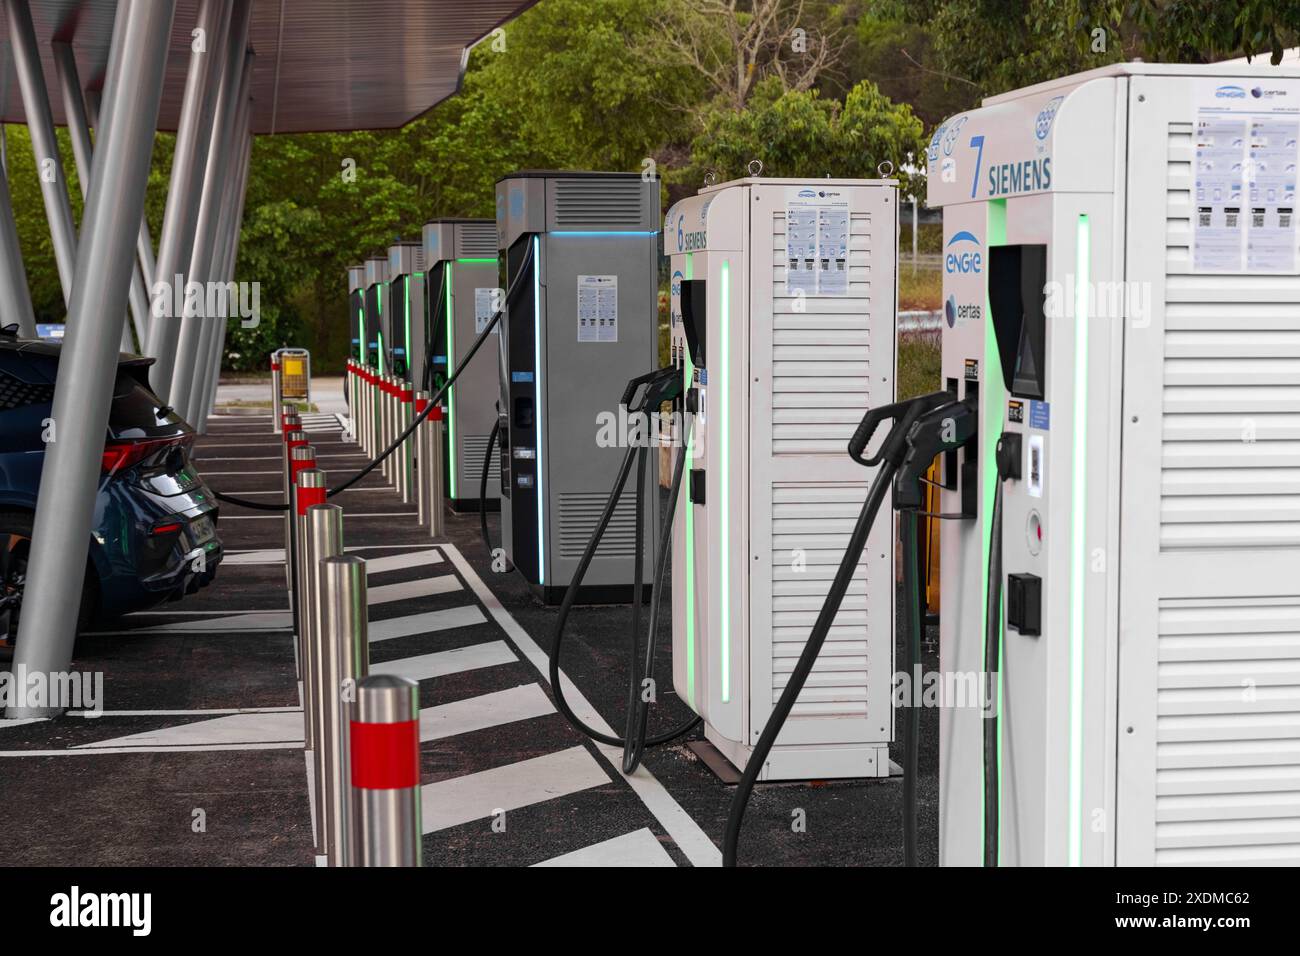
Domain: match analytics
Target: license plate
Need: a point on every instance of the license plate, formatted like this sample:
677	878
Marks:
201	528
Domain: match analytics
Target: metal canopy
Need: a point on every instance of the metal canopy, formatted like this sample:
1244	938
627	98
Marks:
322	65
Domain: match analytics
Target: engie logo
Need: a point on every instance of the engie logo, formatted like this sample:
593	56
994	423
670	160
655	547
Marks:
807	194
964	260
1230	93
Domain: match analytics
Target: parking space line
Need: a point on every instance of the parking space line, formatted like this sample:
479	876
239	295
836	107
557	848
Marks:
426	622
638	848
409	590
486	710
449	803
441	663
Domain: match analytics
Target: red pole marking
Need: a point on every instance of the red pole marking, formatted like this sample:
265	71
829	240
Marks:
308	497
386	756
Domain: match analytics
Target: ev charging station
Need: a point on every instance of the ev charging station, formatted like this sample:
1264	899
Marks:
356	311
580	261
376	278
784	296
404	325
1122	289
461	296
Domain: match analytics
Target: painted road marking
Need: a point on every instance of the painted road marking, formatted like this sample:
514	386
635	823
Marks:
638	848
410	590
487	710
283	729
276	556
248	621
449	803
692	840
439	664
425	623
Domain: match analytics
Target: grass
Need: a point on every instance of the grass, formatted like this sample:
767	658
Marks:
919	367
922	289
245	403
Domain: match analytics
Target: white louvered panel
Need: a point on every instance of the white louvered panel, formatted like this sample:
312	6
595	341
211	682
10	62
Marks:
1228	731
1230	431
811	525
821	356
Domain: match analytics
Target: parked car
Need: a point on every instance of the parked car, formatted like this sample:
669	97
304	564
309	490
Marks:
154	531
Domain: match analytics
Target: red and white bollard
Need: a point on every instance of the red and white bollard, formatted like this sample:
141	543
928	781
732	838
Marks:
385	757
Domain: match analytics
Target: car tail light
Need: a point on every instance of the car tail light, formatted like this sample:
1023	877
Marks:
120	454
159	530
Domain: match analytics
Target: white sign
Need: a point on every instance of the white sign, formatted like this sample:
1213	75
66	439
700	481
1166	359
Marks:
597	308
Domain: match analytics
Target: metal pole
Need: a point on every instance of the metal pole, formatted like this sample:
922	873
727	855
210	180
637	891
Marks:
74	109
144	244
423	464
437	514
15	296
345	655
294	437
311	491
385	749
225	271
301	457
185	189
45	146
88	364
406	454
276	413
239	65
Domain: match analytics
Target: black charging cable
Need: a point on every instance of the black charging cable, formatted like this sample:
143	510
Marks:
660	386
483	480
434	401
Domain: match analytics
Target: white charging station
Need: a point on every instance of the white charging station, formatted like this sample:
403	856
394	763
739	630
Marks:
1122	290
783	315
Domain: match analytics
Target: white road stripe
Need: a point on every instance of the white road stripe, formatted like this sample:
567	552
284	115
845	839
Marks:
425	623
249	621
235	730
373	565
693	841
441	663
398	562
487	710
638	848
449	803
410	590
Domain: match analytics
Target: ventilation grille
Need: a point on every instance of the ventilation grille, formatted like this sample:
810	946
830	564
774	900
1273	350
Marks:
604	203
821	357
579	511
811	525
16	394
1228	731
478	240
473	448
1230	440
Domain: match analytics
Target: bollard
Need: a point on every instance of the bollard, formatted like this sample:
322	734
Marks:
406	455
387	438
294	437
275	394
437	513
310	490
423	461
344	660
301	457
385	746
323	535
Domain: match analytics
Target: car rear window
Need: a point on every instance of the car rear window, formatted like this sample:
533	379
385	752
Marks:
137	412
15	393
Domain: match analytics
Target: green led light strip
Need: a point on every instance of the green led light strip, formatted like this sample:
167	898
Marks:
472	260
1078	528
406	291
689	372
379	314
724	477
993	392
449	319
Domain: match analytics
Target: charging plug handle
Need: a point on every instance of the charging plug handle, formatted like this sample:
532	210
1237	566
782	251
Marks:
939	430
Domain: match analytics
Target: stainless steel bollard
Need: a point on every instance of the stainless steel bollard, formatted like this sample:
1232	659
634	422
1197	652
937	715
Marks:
406	454
323	534
294	437
345	659
422	462
437	511
385	745
310	491
389	421
275	394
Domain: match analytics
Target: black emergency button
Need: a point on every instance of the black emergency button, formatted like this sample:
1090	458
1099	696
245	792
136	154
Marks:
1025	603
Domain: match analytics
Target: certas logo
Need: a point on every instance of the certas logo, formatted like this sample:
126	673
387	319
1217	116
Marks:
1043	122
689	241
1230	93
964	258
1262	94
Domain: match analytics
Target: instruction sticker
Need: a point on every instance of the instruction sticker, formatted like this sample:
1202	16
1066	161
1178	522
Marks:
483	310
597	308
817	243
1247	149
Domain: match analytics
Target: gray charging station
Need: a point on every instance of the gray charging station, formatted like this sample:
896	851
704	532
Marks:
376	277
461	295
404	321
581	251
356	311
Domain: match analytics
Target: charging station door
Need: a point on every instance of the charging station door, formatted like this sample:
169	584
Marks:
821	351
1209	659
